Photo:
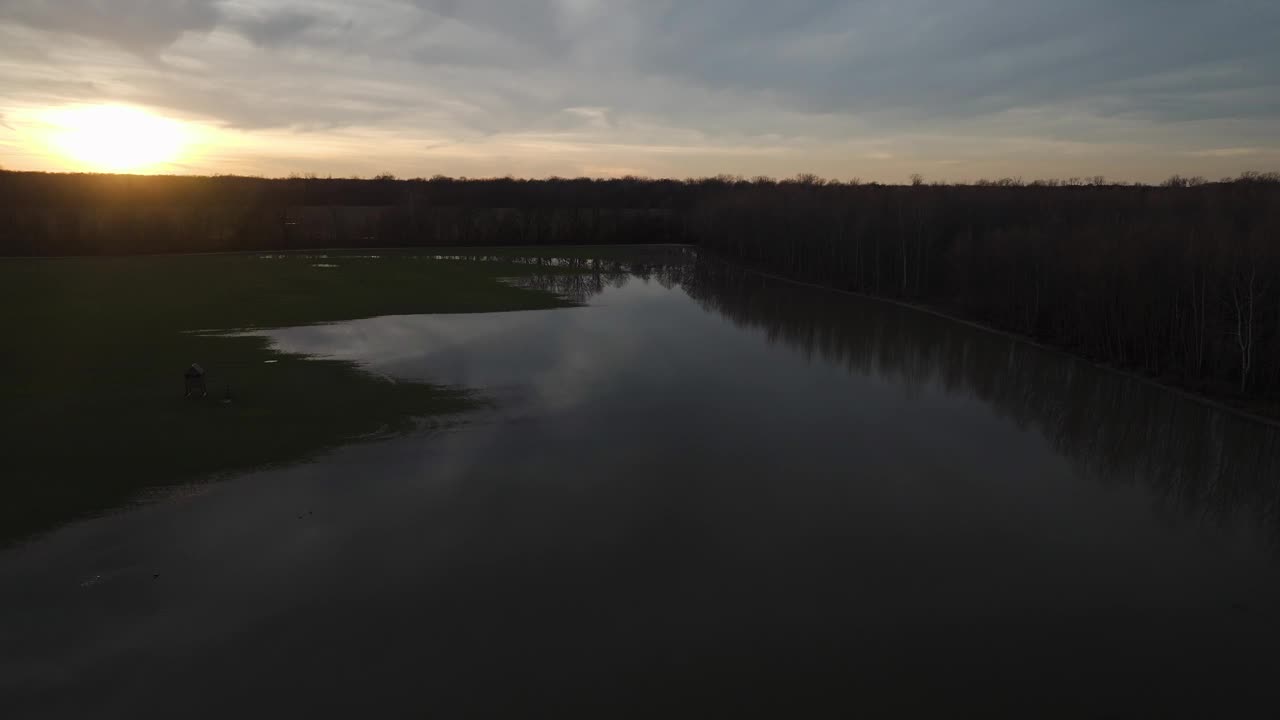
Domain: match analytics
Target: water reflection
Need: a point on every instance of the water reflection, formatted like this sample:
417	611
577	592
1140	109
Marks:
580	280
703	493
1113	428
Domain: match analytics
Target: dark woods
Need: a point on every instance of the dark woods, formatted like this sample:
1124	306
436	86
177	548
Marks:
48	214
1180	281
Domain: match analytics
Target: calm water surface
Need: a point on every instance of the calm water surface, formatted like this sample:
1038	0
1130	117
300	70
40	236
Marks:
705	493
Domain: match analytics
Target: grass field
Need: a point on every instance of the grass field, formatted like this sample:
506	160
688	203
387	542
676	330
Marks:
92	408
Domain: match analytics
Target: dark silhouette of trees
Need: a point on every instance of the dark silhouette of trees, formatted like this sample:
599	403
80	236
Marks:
53	214
1179	281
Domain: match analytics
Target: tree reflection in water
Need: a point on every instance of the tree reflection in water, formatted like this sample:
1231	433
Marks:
1199	459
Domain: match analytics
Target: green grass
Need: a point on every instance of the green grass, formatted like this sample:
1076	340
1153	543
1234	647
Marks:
91	399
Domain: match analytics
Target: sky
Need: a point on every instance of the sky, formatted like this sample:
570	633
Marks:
868	89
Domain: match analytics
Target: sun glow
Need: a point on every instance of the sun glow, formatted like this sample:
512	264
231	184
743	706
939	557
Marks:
116	138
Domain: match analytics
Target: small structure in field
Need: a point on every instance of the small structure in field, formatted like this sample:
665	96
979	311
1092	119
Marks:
194	381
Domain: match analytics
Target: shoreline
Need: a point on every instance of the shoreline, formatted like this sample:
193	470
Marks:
1203	399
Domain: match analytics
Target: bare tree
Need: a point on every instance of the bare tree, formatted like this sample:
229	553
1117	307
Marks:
1246	292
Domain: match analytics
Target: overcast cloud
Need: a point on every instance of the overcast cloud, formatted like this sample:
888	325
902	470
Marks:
870	88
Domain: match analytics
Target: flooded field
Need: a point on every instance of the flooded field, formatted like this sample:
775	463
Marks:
679	489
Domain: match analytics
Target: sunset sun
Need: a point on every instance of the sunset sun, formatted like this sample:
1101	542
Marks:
116	138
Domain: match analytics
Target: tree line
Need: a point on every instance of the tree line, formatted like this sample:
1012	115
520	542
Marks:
89	214
1180	281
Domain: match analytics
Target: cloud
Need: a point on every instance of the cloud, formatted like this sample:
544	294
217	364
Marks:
735	85
277	28
926	60
1233	152
140	26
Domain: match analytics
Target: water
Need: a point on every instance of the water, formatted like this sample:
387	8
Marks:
706	492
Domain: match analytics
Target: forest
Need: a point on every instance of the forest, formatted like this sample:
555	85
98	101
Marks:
1178	281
